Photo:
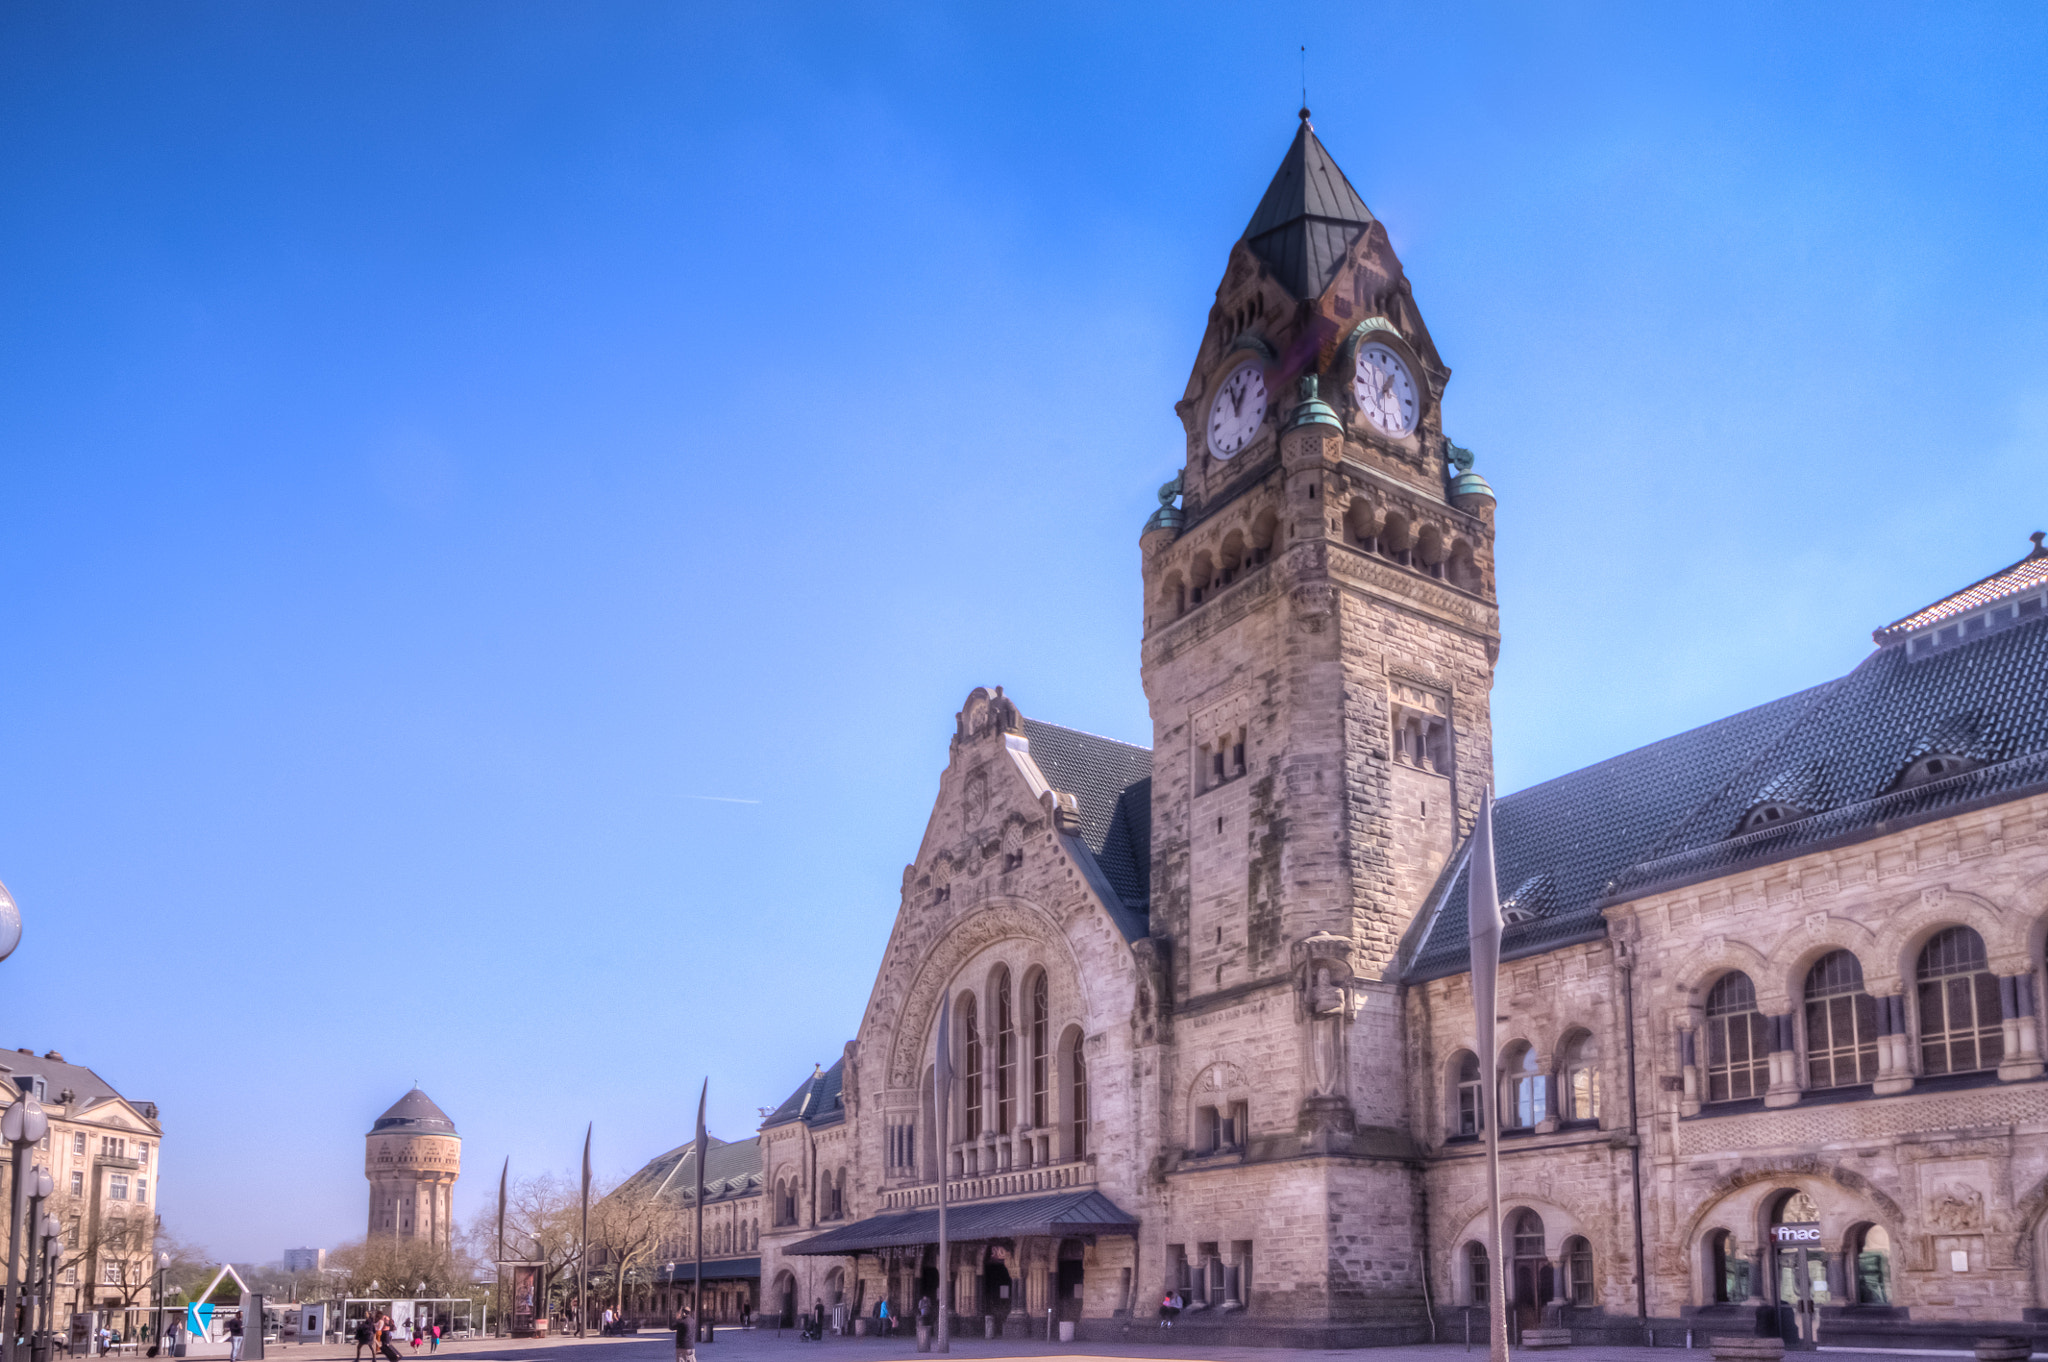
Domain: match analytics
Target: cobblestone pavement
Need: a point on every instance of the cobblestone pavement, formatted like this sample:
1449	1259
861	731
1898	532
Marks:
763	1345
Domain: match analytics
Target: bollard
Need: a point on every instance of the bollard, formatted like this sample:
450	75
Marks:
1066	1331
924	1337
988	1326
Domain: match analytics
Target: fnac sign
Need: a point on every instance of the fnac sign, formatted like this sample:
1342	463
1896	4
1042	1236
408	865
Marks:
1808	1233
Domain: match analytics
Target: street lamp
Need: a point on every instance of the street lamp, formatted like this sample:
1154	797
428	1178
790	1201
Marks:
156	1297
10	923
22	1125
40	1185
53	1249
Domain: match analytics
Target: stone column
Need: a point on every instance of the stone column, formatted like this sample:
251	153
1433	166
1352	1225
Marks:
1688	1068
2022	1031
1894	1047
1784	1089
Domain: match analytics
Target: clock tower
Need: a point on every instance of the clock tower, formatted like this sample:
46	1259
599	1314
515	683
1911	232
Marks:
1320	634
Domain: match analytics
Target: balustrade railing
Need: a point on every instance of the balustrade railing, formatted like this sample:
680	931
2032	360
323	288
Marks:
987	1186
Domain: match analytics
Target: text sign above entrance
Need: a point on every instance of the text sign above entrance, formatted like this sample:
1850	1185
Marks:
1796	1234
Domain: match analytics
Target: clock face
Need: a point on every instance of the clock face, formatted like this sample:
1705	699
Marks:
1239	407
1385	392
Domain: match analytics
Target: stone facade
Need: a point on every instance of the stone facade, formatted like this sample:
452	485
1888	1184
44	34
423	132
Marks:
105	1154
1209	1000
412	1157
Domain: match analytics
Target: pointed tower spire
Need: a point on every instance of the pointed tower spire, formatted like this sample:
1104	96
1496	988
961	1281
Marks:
1308	219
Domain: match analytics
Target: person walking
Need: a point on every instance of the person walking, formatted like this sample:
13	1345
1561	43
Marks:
434	1337
416	1334
686	1337
235	1337
882	1314
365	1338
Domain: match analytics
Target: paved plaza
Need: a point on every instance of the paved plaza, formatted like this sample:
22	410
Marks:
764	1345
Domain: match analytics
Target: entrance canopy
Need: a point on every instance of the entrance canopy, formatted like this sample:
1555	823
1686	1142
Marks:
1056	1216
717	1270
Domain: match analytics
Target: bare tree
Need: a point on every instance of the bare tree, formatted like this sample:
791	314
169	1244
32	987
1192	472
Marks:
541	1226
627	1229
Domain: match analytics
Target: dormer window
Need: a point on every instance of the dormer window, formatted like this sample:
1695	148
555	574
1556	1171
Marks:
1933	766
1770	813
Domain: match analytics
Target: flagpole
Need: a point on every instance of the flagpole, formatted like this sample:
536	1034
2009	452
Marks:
498	1284
942	1098
697	1235
1482	912
583	1250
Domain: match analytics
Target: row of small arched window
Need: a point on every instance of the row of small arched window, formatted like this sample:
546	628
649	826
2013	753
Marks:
1388	533
739	1237
1960	1021
1534	1281
1527	1098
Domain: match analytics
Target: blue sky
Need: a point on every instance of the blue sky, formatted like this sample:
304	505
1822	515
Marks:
453	453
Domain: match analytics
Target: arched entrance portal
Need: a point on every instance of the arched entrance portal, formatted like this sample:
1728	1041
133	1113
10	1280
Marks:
928	1281
785	1298
1067	1283
996	1285
1799	1264
1533	1276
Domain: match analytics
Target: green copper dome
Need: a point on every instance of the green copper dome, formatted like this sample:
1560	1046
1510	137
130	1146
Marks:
1313	411
1471	485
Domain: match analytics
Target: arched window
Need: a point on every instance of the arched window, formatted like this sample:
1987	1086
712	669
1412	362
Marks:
1040	1060
1526	1100
1080	1071
1738	1041
1581	1066
1578	1271
1471	1108
970	1033
1873	1263
1841	1024
1530	1283
1475	1270
1960	1029
1006	1056
1727	1268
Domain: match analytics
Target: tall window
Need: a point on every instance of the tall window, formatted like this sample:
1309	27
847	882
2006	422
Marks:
1080	1070
1475	1268
970	1031
1040	1061
1528	1102
1006	1057
1841	1024
1582	1078
1959	1012
1471	1107
1874	1267
1738	1041
1578	1272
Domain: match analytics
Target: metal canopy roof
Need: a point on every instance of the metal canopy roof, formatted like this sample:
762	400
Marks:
1055	1216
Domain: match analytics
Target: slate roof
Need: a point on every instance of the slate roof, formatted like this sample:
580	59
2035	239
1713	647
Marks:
1671	813
1308	219
2018	579
817	1100
1112	783
88	1090
415	1112
732	1169
1054	1216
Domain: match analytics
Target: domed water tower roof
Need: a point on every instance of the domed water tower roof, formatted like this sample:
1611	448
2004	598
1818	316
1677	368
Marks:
414	1113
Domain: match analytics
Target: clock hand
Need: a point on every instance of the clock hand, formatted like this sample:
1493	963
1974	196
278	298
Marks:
1237	403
